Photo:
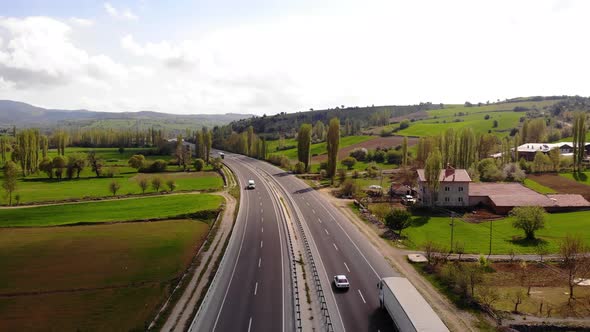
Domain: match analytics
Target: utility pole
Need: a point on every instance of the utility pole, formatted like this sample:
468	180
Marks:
452	228
491	222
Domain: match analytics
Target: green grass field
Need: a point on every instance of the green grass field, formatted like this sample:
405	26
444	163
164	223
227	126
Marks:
111	277
476	236
316	149
541	189
39	188
582	177
439	120
158	207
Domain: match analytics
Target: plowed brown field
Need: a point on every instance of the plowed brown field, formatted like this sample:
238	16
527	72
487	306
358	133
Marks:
383	142
562	185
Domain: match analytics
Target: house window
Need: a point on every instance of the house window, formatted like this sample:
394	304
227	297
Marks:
460	199
447	189
447	199
460	188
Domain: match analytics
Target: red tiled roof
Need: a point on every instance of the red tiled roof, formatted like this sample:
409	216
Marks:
448	175
515	194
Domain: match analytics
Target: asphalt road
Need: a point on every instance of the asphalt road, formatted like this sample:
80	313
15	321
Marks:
343	250
252	287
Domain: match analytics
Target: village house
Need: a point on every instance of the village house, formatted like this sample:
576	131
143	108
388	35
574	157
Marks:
453	190
529	150
456	190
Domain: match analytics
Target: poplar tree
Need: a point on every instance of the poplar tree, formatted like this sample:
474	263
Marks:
208	142
579	129
304	145
405	152
332	144
199	144
432	174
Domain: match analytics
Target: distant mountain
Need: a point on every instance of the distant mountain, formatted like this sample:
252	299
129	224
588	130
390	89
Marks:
14	113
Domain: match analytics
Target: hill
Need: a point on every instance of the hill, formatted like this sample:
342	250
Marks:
14	113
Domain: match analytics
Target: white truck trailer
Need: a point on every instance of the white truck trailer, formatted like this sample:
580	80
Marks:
408	309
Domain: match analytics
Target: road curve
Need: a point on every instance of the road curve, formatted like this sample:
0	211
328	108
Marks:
252	287
342	249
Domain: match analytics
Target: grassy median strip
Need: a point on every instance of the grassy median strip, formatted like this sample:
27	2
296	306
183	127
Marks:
159	207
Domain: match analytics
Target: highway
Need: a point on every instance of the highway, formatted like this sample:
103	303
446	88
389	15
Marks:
342	250
251	290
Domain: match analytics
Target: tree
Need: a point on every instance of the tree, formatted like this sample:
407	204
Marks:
136	161
114	186
299	168
9	183
95	163
332	144
541	162
348	162
304	144
529	219
208	143
143	183
579	132
554	156
199	164
46	166
398	220
576	261
59	163
171	184
432	174
348	187
156	183
405	152
76	163
359	154
216	164
516	298
319	131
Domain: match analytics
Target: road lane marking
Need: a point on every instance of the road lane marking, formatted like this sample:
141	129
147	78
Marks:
335	246
320	220
260	243
260	203
256	289
261	211
250	324
326	231
312	210
262	229
362	298
260	261
307	203
346	267
261	219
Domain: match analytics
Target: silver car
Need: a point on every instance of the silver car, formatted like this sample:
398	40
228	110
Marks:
340	281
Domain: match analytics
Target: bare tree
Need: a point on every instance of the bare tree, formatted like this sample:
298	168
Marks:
516	298
487	296
525	277
576	261
542	250
143	183
114	186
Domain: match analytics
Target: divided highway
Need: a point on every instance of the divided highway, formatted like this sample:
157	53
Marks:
252	287
342	250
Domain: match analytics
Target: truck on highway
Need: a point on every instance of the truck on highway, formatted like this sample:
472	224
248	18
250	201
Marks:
408	309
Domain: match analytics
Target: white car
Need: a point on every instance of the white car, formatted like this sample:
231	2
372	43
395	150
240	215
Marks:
408	199
374	187
251	184
340	281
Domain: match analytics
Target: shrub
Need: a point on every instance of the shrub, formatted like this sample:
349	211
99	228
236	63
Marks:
348	187
157	166
199	164
398	220
112	172
359	154
348	162
156	183
394	157
171	184
379	156
299	168
404	124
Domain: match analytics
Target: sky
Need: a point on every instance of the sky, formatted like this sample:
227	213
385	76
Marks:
267	56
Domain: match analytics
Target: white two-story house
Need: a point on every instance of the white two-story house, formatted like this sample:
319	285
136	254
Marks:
453	190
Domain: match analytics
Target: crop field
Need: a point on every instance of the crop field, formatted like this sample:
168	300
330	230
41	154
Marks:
475	236
89	278
158	207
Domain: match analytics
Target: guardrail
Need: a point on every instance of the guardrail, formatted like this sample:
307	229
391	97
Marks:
314	271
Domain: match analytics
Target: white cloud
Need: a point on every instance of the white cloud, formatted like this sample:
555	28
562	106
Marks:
39	51
82	22
179	55
120	14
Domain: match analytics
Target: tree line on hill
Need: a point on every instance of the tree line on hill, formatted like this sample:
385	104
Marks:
353	119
